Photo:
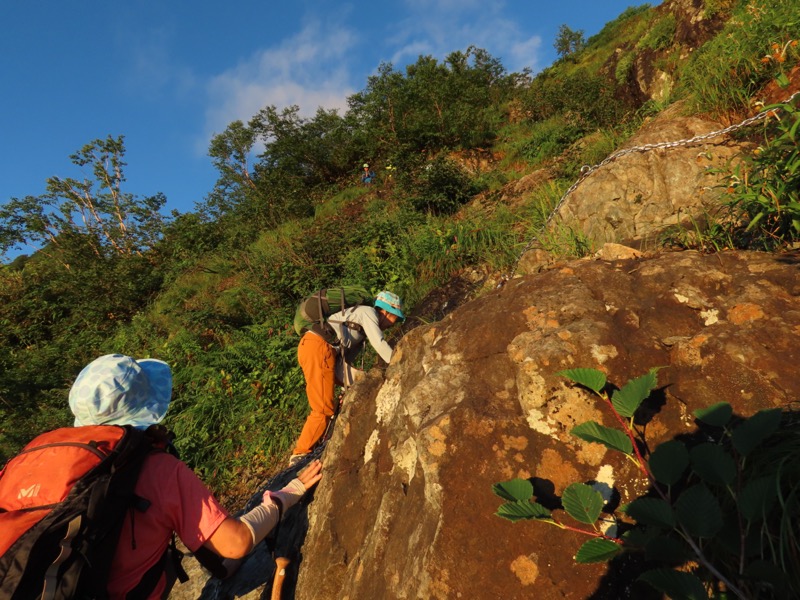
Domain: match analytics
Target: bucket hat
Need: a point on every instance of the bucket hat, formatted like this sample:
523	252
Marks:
391	303
118	390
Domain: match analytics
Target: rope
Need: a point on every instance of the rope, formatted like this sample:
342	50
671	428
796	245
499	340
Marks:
587	170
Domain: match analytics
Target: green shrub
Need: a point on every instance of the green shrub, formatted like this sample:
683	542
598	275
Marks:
721	510
661	34
709	233
764	192
549	138
237	402
442	186
743	47
610	32
623	68
583	98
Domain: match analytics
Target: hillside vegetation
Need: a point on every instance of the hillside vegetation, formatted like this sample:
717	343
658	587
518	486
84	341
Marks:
213	292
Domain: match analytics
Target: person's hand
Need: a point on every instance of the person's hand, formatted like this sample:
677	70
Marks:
311	474
291	493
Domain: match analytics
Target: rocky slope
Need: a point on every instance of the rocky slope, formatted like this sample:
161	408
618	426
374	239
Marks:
643	192
406	508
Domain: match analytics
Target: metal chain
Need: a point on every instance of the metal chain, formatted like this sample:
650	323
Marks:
587	170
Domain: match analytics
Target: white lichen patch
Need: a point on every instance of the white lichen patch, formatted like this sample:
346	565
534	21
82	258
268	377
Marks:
604	482
433	395
405	457
387	400
369	447
530	386
602	353
709	316
538	421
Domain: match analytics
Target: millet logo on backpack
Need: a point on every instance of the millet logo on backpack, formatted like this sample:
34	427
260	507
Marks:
30	492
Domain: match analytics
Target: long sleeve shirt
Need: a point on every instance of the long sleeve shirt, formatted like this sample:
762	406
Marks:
352	340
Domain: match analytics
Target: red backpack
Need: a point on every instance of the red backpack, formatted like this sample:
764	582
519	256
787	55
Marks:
63	500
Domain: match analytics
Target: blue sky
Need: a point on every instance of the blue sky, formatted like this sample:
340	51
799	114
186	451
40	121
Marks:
168	75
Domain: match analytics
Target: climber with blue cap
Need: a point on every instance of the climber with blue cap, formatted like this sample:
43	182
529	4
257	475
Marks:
118	390
325	366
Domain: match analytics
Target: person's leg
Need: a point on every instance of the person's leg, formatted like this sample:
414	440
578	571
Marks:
317	360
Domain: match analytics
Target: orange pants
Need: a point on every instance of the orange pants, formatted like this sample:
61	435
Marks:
318	361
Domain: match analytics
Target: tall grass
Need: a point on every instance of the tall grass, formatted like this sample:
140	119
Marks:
741	48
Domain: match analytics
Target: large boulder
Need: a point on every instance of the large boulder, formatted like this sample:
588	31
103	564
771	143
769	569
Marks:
405	509
642	193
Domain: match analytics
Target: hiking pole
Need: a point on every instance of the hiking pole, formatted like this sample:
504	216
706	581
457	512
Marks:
281	563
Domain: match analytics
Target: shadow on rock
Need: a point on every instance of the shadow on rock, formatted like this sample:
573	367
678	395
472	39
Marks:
254	578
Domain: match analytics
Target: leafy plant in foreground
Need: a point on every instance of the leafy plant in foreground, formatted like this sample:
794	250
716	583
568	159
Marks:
721	513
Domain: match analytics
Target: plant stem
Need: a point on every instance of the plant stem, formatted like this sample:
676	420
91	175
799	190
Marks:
629	433
596	534
711	568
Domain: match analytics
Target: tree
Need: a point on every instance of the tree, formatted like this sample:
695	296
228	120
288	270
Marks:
568	42
96	214
434	105
300	156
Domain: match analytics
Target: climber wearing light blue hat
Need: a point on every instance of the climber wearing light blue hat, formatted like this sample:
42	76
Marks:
118	390
390	303
325	365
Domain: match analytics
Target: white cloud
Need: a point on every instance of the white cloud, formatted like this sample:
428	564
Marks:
310	69
410	51
319	65
438	27
525	53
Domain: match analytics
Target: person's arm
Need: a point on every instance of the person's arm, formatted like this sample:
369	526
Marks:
232	539
235	537
369	321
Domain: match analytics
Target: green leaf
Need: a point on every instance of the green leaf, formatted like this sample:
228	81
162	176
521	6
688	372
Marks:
755	430
667	549
757	497
639	537
630	397
669	461
713	464
522	510
758	217
762	570
698	511
591	378
675	584
515	489
651	511
782	80
582	502
611	438
597	550
716	415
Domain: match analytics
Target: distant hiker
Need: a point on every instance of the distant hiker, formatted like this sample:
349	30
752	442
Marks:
367	175
328	363
118	395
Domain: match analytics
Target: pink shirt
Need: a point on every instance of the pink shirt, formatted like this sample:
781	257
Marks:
180	502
